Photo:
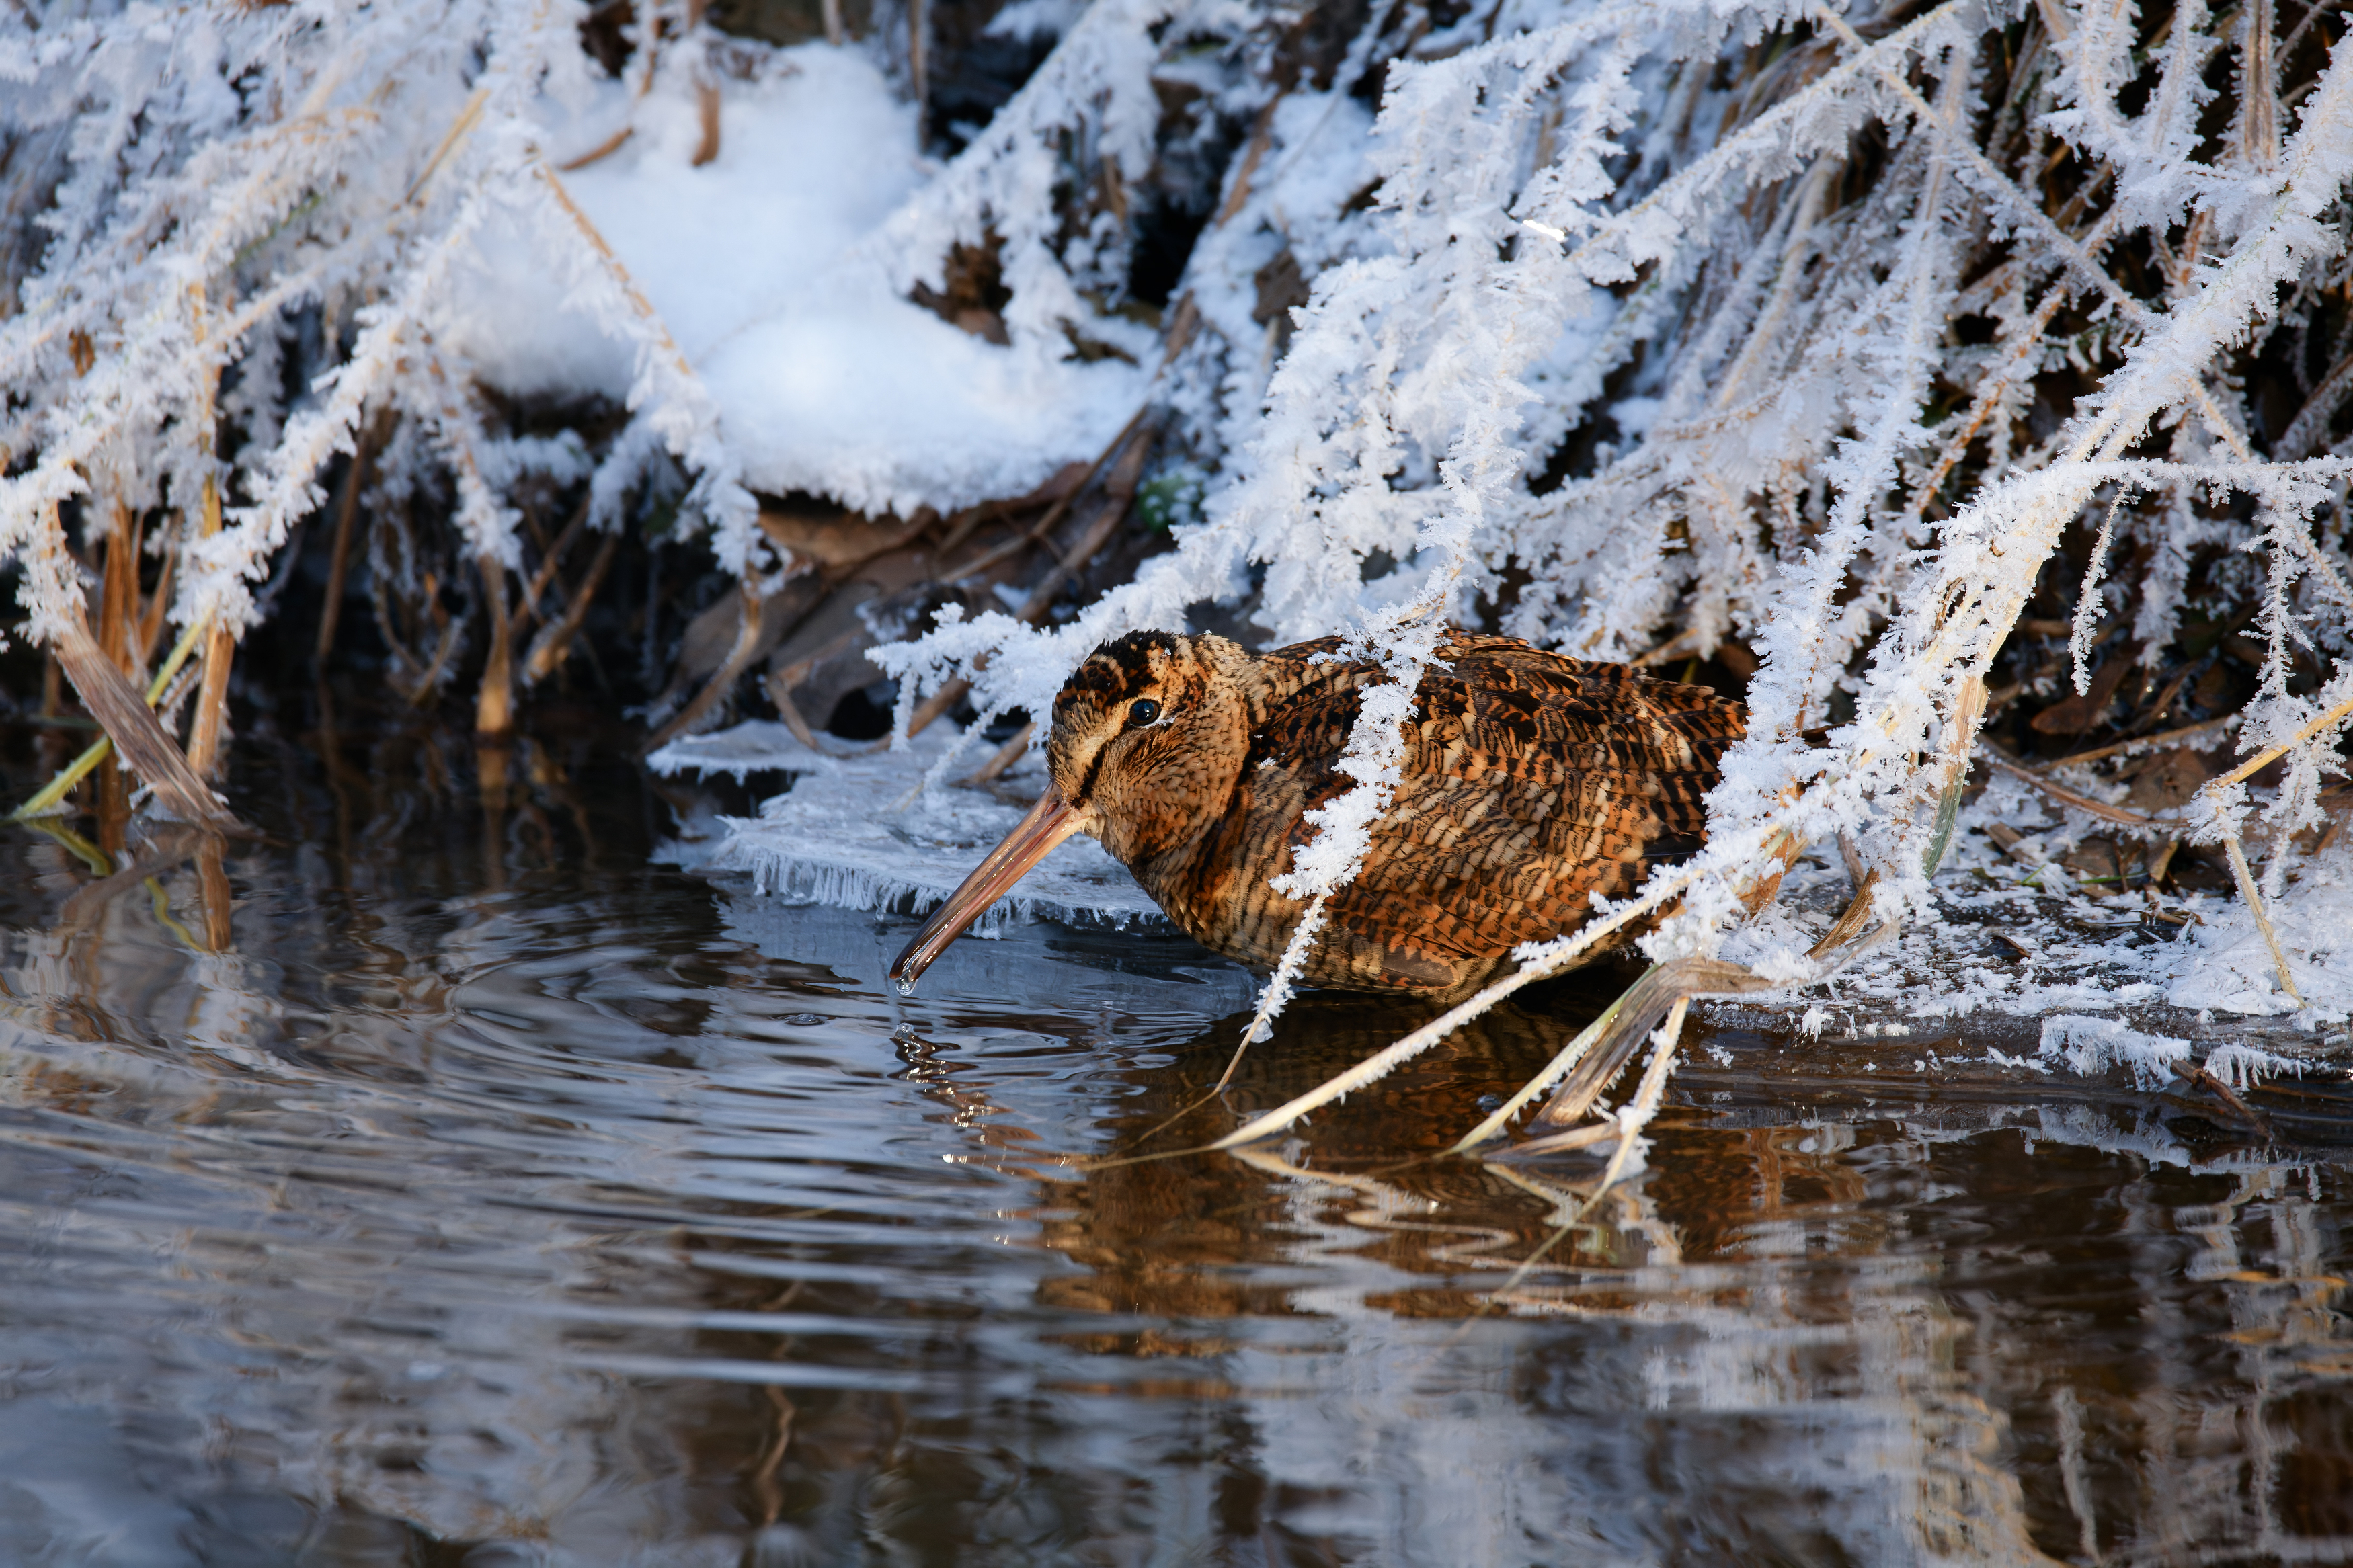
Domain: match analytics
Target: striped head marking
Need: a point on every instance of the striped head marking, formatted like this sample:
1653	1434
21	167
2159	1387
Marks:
1138	730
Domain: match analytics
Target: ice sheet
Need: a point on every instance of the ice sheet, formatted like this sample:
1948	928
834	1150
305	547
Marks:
858	831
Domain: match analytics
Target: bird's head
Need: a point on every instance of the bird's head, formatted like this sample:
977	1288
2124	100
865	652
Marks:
1148	736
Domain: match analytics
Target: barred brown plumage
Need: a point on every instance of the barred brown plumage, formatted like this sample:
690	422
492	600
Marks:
1530	781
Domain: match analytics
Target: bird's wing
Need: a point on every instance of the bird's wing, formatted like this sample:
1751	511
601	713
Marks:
1531	782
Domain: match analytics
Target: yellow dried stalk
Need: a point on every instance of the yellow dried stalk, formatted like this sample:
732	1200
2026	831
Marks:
53	794
211	701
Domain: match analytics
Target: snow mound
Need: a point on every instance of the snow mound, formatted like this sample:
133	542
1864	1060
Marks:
860	832
825	379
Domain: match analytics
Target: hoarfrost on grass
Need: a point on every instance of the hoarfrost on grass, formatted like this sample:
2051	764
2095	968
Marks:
1604	344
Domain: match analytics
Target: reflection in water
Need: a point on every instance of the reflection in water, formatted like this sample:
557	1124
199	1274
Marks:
438	1180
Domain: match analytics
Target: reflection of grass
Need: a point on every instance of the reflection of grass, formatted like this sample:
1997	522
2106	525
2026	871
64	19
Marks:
80	849
163	913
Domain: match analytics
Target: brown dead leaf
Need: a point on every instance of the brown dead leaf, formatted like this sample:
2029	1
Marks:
2104	862
2168	779
2074	715
834	540
984	323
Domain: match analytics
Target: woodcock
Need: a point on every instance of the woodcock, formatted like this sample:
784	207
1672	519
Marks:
1530	781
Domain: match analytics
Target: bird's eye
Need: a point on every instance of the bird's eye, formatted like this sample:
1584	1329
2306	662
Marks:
1145	711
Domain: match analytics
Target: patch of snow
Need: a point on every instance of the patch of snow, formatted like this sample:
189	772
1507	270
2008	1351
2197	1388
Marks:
826	379
1035	19
2086	950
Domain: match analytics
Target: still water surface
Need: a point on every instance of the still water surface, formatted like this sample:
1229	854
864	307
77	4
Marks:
443	1181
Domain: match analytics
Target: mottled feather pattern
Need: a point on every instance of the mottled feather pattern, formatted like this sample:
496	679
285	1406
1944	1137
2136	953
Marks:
1531	781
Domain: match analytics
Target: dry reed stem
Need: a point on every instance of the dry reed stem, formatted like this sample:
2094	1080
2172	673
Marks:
212	699
459	128
791	712
602	150
131	724
1848	925
2246	881
1585	1137
159	603
347	507
212	703
212	885
932	707
706	108
1378	1065
919	26
1007	756
111	805
834	34
1675	646
117	613
2064	795
1645	1106
554	644
1566	1057
452	627
1262	135
2162	738
527	608
1665	987
51	794
1967	711
403	656
627	285
2259	118
2263	759
119	592
494	700
790	677
751	621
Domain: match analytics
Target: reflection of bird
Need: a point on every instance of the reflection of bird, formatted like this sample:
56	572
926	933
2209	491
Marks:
1529	783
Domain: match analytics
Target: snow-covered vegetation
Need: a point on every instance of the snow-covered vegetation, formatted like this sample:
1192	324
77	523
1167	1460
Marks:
1921	370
